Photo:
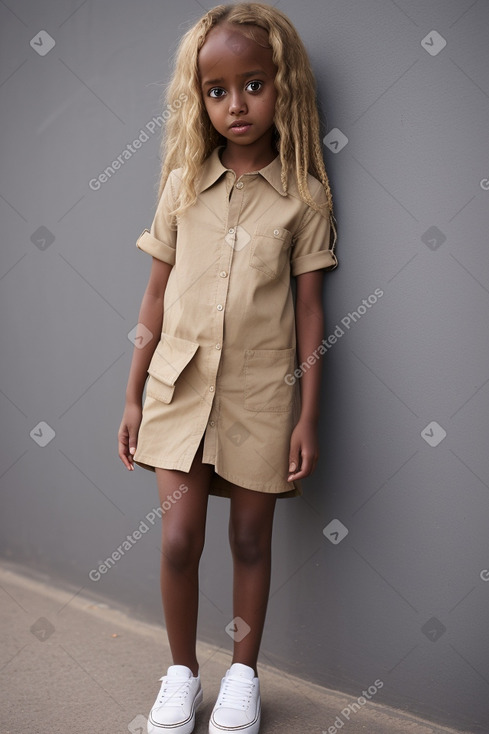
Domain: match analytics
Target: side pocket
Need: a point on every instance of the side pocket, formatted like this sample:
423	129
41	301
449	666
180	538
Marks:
270	248
171	356
266	389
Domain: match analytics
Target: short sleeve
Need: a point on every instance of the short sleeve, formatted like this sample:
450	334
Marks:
311	244
160	240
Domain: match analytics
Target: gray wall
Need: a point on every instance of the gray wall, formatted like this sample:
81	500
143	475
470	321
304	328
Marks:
411	192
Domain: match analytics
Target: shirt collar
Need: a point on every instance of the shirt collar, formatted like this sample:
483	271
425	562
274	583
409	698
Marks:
213	169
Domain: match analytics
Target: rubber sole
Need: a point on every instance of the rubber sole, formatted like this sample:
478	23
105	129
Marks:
185	727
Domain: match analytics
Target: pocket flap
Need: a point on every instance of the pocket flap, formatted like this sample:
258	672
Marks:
170	357
276	233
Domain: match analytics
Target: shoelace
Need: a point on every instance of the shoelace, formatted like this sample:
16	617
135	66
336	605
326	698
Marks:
236	693
175	691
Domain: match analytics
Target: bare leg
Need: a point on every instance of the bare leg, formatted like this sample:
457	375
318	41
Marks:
183	535
250	536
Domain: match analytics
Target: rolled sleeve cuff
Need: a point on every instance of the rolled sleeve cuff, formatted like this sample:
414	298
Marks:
148	243
326	259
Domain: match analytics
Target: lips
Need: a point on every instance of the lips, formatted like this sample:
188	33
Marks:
240	123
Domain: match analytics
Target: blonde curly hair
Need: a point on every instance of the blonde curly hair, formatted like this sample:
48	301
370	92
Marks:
189	136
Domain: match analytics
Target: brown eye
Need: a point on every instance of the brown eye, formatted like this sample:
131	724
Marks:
216	92
254	86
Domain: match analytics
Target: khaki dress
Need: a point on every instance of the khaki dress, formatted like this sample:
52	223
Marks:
222	370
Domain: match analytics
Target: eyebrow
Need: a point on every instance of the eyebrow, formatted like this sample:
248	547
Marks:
244	74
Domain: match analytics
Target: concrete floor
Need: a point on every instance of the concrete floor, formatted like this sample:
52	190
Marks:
69	665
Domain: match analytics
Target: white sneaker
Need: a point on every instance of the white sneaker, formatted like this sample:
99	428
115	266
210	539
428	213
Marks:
180	696
238	705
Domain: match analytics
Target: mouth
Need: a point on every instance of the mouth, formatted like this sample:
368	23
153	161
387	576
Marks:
240	126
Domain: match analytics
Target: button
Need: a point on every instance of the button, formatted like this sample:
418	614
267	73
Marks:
218	346
211	389
219	306
223	274
239	185
231	230
276	232
212	423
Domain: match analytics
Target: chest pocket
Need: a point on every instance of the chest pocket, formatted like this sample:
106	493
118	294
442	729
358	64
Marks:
270	250
171	356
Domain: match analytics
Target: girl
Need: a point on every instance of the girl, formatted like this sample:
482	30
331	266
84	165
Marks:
244	203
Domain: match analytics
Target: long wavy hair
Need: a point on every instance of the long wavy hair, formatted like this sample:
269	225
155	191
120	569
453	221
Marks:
189	137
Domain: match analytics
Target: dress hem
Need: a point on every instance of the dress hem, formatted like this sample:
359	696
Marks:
222	482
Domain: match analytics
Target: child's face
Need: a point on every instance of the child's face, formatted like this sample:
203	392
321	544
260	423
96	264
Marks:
237	81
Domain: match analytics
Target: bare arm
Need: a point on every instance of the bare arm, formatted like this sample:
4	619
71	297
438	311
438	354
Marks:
309	329
151	316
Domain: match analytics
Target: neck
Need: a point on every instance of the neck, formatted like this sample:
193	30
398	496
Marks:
239	158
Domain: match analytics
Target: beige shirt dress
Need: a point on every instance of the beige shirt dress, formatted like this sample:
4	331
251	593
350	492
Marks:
228	334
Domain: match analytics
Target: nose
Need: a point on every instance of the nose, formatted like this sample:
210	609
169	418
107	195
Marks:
237	105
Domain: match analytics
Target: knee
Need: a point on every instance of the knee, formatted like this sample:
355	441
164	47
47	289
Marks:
247	546
181	549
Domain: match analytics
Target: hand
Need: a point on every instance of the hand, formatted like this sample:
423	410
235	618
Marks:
304	450
128	433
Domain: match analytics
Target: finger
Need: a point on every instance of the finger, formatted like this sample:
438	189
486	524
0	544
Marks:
297	475
294	465
307	467
123	457
133	443
123	449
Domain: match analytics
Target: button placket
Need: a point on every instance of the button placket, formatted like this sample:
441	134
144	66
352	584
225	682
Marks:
223	272
227	251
